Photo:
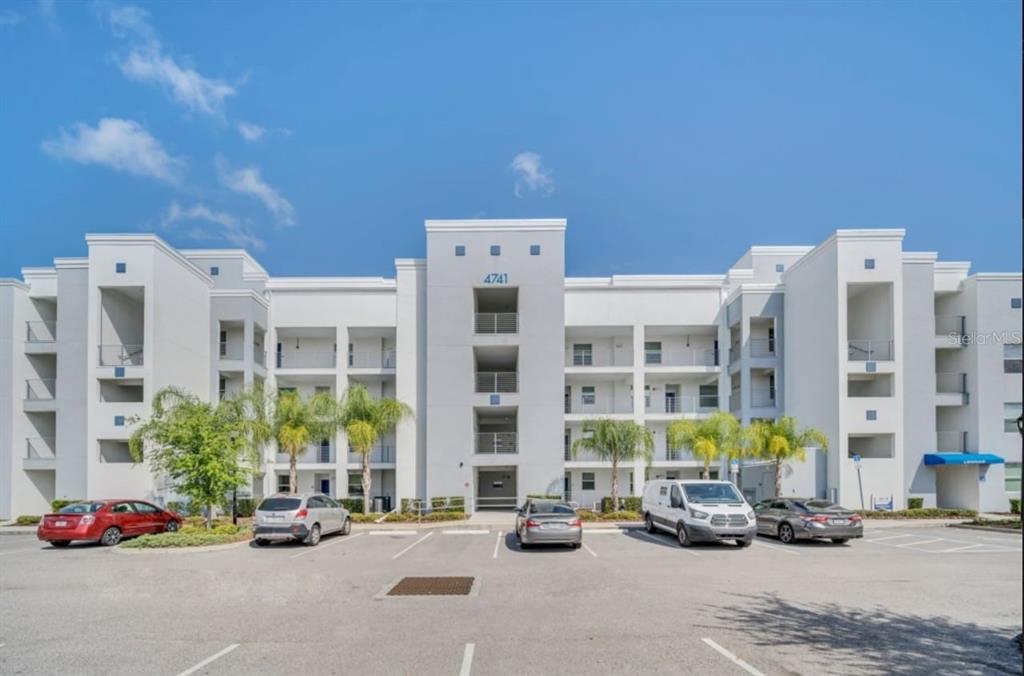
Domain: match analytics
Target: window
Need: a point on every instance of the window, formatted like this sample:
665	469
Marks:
663	490
535	249
122	508
631	483
118	421
120	268
460	250
582	354
1015	303
355	484
214	271
869	263
871	414
495	250
652	353
589	395
1013	478
1012	358
779	267
708	396
222	387
1011	411
145	508
588	481
282	487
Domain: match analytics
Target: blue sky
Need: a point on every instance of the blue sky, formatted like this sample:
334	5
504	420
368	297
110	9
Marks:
671	135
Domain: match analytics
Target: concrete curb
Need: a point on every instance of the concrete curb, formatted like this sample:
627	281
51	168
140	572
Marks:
17	530
180	550
990	529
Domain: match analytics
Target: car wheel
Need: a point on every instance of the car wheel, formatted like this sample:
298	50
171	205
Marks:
60	543
171	526
110	537
840	541
744	543
649	523
786	534
577	545
346	528
313	539
260	542
682	536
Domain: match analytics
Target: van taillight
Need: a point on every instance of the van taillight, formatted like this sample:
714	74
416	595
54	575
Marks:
301	514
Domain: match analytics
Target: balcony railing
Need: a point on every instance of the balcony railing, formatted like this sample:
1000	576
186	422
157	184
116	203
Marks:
120	355
951	383
305	359
869	350
383	452
762	347
40	448
41	389
259	355
321	453
40	332
230	350
382	359
951	441
496	322
497	382
734	354
685	404
950	325
497	442
598	407
689	356
763	397
735	400
590	358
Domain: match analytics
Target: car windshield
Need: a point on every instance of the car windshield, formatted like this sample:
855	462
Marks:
712	493
81	508
280	505
550	508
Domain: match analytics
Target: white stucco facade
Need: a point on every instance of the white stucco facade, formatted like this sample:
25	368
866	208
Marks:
896	356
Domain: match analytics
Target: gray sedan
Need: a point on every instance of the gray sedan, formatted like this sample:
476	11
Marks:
548	522
792	519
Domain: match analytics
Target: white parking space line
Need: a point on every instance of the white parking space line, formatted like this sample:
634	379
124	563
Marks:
650	537
591	551
497	544
604	531
732	658
466	532
889	537
922	542
209	659
784	550
392	532
323	545
412	545
467	660
957	549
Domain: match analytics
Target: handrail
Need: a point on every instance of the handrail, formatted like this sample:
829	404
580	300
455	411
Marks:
120	355
497	382
869	350
496	322
41	389
40	331
497	442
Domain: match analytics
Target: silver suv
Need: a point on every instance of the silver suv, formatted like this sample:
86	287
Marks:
305	517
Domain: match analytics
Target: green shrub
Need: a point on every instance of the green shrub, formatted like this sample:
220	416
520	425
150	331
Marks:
27	520
57	505
438	503
457	502
353	505
184	539
587	515
915	503
996	523
1014	505
627	503
928	513
359	517
621	515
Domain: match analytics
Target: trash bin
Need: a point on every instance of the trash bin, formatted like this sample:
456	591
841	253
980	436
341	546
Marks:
378	504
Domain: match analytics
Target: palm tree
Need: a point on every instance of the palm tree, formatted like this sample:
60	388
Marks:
297	421
366	419
708	439
781	440
617	441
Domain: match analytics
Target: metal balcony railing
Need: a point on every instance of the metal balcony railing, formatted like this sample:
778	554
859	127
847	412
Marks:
40	332
598	407
590	358
120	355
40	448
41	389
383	359
383	452
951	441
762	347
951	325
321	453
689	356
869	350
496	322
497	382
497	442
685	404
230	350
305	359
951	383
763	397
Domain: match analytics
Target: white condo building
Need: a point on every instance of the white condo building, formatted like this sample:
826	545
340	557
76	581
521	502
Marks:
910	365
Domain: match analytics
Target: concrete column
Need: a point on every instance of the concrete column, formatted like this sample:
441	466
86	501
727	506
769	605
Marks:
248	336
340	466
639	411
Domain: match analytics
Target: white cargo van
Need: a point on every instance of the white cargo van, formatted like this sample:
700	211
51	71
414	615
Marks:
699	511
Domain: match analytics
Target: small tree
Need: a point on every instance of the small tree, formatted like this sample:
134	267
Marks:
202	448
709	439
365	420
297	421
781	440
617	441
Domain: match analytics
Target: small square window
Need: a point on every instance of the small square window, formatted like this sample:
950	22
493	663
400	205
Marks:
870	367
214	271
119	372
1015	303
460	250
495	250
869	263
118	421
495	400
120	268
779	267
871	414
535	249
587	481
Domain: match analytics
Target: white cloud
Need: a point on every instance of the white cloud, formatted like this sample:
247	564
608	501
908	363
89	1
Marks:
531	176
123	145
248	181
9	17
220	225
251	131
147	62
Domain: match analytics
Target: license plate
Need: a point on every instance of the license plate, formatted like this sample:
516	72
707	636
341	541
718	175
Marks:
839	522
60	524
554	526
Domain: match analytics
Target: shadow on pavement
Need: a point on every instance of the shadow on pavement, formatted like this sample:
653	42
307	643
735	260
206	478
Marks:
512	545
878	640
663	539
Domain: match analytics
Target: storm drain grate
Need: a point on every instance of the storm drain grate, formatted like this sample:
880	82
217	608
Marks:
432	586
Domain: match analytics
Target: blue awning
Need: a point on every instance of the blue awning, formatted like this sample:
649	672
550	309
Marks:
962	459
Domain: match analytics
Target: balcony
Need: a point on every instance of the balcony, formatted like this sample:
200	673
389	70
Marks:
321	453
951	389
497	382
39	453
497	442
597	407
259	355
735	400
383	453
762	347
120	355
41	389
951	441
306	359
488	323
706	357
763	397
372	359
869	350
685	404
231	350
40	332
954	326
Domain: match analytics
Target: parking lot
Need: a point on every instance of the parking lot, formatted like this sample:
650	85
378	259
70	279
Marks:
907	600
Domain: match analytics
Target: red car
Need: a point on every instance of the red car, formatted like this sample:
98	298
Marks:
105	521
